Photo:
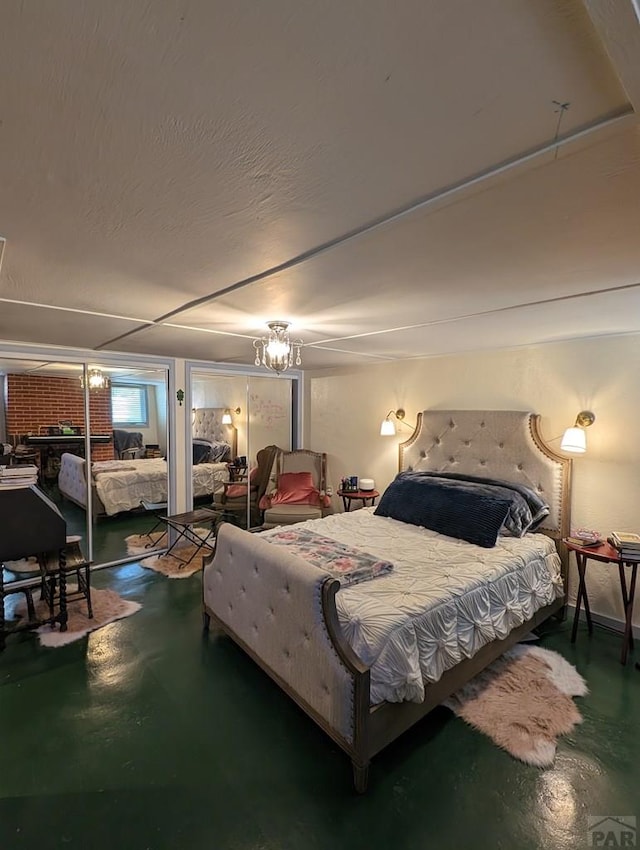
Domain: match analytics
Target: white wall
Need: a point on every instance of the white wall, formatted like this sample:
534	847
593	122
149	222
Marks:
555	380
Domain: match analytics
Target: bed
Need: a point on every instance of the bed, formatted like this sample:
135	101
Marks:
124	485
368	661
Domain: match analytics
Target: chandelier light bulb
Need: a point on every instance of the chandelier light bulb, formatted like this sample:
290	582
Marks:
277	351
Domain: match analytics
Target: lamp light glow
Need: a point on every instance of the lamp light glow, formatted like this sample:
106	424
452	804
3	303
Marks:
574	439
96	380
388	426
227	418
277	351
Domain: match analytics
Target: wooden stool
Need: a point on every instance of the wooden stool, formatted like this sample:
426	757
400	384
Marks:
52	572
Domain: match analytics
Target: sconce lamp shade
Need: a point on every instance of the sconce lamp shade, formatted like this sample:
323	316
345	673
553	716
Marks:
227	418
574	440
387	428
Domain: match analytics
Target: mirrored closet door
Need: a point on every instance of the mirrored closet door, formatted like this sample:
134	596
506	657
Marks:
129	475
235	417
94	438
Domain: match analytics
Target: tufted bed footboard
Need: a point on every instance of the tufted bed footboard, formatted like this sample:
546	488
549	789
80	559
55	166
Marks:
281	611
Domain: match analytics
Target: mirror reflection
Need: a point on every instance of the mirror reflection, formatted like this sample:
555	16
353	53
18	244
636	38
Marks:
112	509
245	420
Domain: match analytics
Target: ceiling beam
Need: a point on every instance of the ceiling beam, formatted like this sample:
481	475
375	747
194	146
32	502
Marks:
617	22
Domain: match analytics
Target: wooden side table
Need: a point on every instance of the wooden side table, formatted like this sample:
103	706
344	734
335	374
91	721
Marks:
362	495
608	554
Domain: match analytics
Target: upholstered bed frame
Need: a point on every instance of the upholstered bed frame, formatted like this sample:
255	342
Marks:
281	610
207	425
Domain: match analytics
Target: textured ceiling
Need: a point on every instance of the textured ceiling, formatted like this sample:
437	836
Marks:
175	175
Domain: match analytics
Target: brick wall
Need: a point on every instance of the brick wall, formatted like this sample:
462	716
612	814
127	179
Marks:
37	401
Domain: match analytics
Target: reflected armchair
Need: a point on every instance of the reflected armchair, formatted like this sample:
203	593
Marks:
128	445
300	492
232	502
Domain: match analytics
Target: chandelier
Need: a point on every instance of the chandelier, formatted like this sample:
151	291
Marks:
276	351
96	379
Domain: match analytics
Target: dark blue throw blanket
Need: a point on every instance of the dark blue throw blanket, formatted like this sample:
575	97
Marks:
469	508
527	508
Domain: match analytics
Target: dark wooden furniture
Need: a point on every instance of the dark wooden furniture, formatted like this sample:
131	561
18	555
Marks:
31	523
184	527
606	554
362	495
65	439
74	564
322	673
48	449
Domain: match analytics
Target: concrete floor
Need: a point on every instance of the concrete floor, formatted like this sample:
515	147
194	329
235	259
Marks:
149	735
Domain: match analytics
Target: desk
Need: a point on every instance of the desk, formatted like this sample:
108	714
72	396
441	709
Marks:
362	495
183	524
606	554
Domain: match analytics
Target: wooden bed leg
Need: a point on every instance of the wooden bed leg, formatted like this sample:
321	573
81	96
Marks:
561	615
206	621
360	776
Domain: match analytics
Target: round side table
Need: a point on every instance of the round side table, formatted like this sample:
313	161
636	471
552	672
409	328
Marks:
363	496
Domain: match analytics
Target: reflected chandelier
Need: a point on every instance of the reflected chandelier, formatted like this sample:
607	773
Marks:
277	351
96	379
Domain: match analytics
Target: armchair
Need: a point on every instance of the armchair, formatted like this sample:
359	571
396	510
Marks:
300	492
128	444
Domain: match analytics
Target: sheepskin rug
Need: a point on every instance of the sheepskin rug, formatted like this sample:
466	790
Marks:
108	606
523	702
167	565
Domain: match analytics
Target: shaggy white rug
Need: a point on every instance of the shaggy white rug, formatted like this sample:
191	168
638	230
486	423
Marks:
523	702
107	606
168	565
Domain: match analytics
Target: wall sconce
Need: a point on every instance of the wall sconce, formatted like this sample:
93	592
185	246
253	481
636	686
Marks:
388	427
227	419
574	439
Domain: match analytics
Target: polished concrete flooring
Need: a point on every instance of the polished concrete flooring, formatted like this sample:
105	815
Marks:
148	734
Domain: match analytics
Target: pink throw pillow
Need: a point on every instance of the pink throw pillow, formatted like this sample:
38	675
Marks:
295	488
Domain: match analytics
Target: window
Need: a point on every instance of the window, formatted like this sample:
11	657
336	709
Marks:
129	405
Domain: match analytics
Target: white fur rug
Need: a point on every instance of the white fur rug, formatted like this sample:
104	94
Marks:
107	606
523	702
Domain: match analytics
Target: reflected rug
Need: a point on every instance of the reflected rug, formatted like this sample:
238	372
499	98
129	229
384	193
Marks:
523	702
108	606
168	565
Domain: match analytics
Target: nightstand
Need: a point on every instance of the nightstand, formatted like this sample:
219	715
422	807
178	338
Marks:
362	495
606	554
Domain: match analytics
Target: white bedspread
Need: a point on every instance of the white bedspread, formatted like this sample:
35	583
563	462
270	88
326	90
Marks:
444	600
123	488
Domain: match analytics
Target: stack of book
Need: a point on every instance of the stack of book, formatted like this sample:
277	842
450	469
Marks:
17	476
627	543
583	537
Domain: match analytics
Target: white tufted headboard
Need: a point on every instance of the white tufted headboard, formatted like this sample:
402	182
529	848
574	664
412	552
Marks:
207	425
503	444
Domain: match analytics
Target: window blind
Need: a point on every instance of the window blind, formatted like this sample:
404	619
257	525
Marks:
129	404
